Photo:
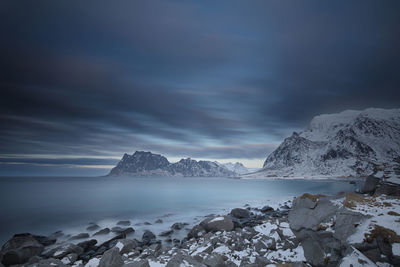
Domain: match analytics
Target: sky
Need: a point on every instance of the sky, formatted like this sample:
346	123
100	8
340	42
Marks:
83	82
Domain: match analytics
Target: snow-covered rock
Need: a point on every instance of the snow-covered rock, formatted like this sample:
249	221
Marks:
149	164
350	143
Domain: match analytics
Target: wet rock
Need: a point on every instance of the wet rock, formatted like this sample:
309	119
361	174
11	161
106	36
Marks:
44	240
107	244
147	223
126	245
19	249
218	223
111	258
158	221
92	227
87	245
124	223
102	232
166	233
148	237
79	236
266	209
70	258
124	231
196	232
240	213
177	226
214	260
61	251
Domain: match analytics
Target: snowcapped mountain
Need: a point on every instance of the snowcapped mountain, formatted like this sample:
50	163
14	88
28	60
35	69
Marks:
237	167
149	164
350	143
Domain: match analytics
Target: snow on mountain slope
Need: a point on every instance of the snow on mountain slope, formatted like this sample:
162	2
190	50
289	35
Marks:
237	167
148	164
350	143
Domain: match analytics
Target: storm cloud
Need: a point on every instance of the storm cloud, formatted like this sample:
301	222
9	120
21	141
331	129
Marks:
92	80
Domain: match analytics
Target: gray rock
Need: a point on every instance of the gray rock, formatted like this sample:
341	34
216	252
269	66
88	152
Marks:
111	258
214	260
388	189
178	260
158	221
218	223
104	231
141	263
177	226
240	213
124	223
92	227
48	262
127	245
19	249
307	216
61	251
166	233
70	258
304	202
87	245
266	209
370	185
79	236
148	237
196	232
346	223
124	231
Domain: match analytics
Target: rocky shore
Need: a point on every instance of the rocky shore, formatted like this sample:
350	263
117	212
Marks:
349	229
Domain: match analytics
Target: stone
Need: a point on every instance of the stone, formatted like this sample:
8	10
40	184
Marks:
124	223
124	231
87	245
19	249
214	260
240	213
196	232
126	245
158	221
140	263
92	227
177	226
104	231
370	184
166	233
346	223
79	236
266	209
70	258
111	258
148	237
61	251
218	223
44	240
49	262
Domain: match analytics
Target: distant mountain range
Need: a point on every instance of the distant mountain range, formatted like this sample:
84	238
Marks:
148	164
350	143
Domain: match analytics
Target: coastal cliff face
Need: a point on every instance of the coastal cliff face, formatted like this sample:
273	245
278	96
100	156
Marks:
350	143
149	164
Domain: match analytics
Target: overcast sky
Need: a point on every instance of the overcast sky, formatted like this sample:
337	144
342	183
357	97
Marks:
83	82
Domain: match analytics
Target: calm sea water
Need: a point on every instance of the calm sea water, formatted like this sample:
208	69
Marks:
43	205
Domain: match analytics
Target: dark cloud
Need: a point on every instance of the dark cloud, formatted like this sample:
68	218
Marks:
200	79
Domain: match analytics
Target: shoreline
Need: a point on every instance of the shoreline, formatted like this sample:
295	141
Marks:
310	229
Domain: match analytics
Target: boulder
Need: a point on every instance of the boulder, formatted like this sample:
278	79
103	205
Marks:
92	227
124	223
370	185
158	221
48	262
87	245
166	233
148	237
240	213
102	232
111	258
177	226
123	231
126	245
346	223
214	260
218	223
266	209
79	236
196	232
19	249
61	251
70	258
140	263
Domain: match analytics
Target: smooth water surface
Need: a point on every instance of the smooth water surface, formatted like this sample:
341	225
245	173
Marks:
43	205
